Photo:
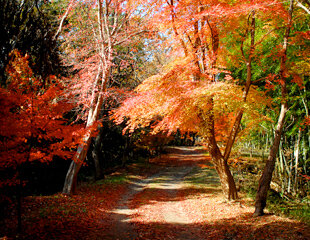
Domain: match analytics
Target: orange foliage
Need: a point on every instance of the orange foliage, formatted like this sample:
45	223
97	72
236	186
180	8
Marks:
171	101
179	97
32	127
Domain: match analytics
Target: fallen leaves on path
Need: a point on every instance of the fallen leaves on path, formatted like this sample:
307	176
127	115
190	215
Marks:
82	216
175	206
207	215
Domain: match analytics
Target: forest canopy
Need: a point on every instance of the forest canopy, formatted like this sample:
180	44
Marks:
90	86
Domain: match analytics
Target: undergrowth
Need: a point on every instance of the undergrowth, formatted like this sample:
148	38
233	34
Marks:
298	209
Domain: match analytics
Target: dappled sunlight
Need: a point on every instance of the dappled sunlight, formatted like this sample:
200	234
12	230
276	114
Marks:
189	204
174	202
211	218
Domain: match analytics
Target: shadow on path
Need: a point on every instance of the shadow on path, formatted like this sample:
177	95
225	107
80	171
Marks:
184	201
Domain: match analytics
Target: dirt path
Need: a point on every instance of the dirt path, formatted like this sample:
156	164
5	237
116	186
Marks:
177	196
184	201
171	180
122	213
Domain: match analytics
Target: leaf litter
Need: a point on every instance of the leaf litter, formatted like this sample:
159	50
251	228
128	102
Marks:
180	199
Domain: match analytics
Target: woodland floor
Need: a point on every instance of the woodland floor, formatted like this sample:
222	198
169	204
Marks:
176	196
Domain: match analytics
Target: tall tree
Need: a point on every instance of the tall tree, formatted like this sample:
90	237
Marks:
195	82
93	39
32	127
265	180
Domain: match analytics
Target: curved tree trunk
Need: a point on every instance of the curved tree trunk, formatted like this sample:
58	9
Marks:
71	177
220	160
76	164
265	180
227	181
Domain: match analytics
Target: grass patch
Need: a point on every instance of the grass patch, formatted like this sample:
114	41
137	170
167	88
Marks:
113	179
203	176
293	209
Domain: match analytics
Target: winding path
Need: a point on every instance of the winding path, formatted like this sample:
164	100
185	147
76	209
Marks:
169	180
183	201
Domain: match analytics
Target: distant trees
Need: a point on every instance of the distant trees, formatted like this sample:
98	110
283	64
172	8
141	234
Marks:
28	26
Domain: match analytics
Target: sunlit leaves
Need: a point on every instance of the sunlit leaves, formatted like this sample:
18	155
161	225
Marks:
172	101
32	127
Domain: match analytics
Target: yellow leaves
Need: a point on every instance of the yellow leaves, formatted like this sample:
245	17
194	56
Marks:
172	101
301	67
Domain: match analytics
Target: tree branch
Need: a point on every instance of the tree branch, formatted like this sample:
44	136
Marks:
64	17
299	4
130	36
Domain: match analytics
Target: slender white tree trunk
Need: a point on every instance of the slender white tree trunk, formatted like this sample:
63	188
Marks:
76	164
296	154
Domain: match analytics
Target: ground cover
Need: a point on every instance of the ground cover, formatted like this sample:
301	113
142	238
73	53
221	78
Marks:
175	196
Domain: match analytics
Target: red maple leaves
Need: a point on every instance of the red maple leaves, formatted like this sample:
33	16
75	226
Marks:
32	127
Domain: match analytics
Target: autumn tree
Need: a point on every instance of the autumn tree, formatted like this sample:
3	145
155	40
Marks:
196	92
32	126
285	74
95	30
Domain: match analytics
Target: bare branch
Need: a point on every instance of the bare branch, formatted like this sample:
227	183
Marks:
129	36
64	17
299	4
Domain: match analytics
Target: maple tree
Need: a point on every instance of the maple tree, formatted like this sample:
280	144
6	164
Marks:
32	124
196	92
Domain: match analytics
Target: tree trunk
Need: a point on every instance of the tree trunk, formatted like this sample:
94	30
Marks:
99	87
296	154
264	182
76	164
71	177
227	181
97	155
219	160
